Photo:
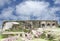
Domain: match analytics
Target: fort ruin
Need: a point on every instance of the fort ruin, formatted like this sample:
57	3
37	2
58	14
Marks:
31	24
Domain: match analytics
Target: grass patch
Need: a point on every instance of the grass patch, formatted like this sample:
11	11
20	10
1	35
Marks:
39	39
35	39
0	36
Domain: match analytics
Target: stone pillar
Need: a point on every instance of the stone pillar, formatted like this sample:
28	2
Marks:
46	24
19	35
39	24
51	24
31	25
24	27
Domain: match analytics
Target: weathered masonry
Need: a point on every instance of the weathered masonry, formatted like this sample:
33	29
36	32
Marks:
41	24
31	24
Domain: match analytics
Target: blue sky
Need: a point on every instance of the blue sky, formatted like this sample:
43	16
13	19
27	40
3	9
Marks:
29	10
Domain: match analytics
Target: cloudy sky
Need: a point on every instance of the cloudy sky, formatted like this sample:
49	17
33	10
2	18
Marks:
29	10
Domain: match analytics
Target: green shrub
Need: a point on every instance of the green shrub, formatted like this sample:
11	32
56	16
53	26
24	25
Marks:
51	38
6	35
57	38
26	30
0	36
43	36
59	26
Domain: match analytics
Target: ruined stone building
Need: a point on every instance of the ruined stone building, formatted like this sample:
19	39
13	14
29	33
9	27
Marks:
31	24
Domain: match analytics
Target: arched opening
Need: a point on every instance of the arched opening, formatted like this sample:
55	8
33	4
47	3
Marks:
48	24
43	25
53	24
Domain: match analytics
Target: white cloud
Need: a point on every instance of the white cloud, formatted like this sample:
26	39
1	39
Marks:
30	7
3	2
7	12
22	17
57	1
53	13
39	9
1	22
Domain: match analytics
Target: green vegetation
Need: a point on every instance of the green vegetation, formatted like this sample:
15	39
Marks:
39	39
43	36
6	35
26	30
35	39
0	36
52	37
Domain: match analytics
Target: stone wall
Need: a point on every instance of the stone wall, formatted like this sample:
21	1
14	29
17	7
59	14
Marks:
31	24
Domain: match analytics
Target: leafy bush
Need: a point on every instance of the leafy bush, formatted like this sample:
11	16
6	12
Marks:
57	38
43	36
6	35
51	38
26	30
59	26
54	37
0	36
